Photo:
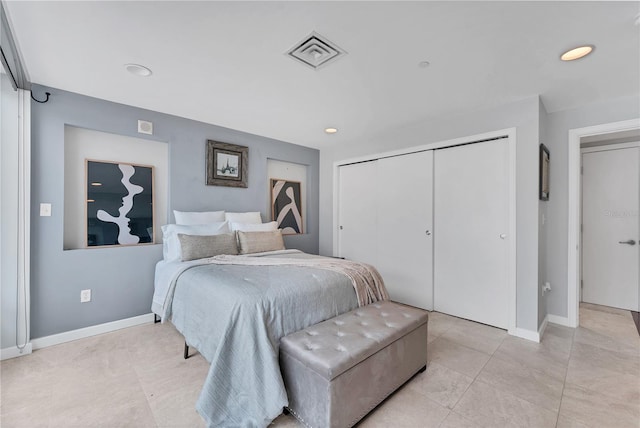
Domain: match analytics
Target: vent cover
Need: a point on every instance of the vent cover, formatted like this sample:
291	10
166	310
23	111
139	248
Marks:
315	51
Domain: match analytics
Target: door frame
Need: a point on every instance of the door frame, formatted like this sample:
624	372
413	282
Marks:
575	208
510	134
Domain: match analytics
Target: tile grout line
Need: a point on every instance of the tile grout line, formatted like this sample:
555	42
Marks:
564	382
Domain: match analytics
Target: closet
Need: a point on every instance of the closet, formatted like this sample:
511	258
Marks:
385	212
435	225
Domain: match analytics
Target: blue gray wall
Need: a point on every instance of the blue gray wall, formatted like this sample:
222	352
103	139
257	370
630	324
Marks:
121	279
557	135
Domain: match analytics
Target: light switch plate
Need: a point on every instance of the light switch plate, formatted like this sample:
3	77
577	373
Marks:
45	210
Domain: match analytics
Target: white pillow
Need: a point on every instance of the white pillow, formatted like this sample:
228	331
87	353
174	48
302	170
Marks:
171	245
206	217
250	217
253	227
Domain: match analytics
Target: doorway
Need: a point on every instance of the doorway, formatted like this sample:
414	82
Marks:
577	137
610	226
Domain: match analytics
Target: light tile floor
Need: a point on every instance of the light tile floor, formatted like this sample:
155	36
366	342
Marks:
477	376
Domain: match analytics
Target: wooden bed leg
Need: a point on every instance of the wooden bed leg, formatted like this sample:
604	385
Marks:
156	319
186	350
423	369
285	411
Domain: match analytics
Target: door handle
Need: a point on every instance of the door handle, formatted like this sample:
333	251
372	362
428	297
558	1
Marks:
628	242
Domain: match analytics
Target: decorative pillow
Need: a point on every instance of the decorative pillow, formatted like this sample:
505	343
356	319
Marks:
257	242
171	244
191	218
253	227
250	217
201	246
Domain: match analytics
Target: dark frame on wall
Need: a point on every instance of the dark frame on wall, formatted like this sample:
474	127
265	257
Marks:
227	164
545	159
119	203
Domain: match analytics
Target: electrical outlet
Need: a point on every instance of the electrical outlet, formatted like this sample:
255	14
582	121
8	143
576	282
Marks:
85	296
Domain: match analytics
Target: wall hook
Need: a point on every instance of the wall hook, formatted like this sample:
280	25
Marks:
41	102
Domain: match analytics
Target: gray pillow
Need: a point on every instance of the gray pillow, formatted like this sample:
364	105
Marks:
201	246
257	242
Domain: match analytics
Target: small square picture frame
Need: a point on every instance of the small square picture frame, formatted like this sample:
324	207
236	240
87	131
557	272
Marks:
227	164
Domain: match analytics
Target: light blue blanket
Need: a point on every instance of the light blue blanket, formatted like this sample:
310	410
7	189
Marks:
235	316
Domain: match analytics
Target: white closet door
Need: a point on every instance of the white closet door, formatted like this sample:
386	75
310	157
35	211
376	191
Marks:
357	206
610	204
470	227
405	211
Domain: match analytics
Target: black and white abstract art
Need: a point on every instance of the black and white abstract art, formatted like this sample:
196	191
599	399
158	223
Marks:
286	206
119	204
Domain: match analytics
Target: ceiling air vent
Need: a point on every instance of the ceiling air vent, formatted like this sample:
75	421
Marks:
315	51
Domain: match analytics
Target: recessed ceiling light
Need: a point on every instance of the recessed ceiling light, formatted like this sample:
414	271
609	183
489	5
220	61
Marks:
96	183
138	70
424	64
577	53
330	130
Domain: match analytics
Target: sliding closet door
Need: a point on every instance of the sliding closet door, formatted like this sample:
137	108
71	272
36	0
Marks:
357	212
405	210
470	226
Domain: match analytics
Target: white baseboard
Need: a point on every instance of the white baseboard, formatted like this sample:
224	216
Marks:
14	352
522	333
543	326
555	319
94	330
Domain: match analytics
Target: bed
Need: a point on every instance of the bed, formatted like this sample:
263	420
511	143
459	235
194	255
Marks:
235	314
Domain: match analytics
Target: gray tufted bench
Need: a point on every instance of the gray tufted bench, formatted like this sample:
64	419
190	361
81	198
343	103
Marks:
337	371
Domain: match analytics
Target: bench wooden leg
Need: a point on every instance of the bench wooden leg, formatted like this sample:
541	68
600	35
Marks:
186	350
156	319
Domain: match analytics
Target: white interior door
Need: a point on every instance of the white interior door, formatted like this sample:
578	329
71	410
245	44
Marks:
610	234
357	212
470	232
405	216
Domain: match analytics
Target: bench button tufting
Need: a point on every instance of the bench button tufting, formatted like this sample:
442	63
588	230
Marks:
384	314
339	334
338	322
312	333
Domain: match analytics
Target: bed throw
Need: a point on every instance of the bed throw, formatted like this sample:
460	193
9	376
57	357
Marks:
366	279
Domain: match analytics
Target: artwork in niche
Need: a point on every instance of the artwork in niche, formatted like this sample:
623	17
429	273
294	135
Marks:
544	173
227	164
119	204
286	206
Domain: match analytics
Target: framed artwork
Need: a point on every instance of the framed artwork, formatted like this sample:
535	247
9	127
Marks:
227	164
286	206
119	203
544	173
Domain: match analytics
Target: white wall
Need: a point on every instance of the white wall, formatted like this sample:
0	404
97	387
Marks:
524	116
557	135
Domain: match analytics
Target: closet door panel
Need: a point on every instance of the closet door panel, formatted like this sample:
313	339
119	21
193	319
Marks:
470	226
357	212
405	210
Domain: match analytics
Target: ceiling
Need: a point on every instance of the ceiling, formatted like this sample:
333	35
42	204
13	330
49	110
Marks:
224	62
